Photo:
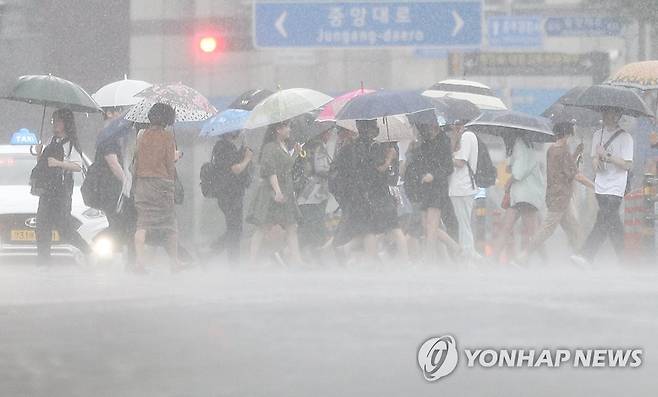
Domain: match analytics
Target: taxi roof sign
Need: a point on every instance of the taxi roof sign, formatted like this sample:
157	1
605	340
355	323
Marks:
24	137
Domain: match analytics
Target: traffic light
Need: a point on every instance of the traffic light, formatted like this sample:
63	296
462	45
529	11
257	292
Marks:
208	45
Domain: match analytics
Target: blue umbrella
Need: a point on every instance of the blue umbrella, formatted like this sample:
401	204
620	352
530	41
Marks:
383	103
118	127
230	120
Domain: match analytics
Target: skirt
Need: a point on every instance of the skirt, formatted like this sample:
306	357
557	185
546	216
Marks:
154	201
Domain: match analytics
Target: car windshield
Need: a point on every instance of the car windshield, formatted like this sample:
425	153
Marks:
15	169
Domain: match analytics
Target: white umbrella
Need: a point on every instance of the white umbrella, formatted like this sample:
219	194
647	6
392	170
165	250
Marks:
120	93
391	128
479	94
284	105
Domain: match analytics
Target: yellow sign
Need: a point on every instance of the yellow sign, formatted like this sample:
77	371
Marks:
29	235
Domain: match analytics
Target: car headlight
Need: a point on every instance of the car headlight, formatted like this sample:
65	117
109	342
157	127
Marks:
93	213
103	247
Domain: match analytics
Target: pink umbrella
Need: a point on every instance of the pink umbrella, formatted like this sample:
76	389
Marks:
332	108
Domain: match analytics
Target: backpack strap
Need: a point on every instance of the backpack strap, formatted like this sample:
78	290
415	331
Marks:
612	138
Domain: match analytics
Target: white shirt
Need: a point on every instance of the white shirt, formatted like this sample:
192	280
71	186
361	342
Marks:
461	183
611	179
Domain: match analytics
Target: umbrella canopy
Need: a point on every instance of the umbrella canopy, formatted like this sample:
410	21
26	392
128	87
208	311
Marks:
284	105
190	105
230	120
537	129
51	91
391	129
118	127
120	93
642	75
600	97
382	104
559	111
332	108
249	99
453	110
481	95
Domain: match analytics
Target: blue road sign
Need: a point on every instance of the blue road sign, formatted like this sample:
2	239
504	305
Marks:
583	26
515	31
371	24
24	137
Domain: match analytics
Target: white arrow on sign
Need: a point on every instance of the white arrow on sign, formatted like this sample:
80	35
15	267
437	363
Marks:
459	23
279	24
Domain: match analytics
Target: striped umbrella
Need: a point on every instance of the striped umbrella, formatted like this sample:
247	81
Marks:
479	94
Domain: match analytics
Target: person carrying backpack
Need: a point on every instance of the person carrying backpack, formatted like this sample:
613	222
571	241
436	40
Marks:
230	167
56	170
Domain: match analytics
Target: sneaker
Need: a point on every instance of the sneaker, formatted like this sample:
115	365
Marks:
580	261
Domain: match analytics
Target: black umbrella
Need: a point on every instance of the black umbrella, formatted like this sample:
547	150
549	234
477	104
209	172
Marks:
501	123
560	111
249	99
455	110
601	97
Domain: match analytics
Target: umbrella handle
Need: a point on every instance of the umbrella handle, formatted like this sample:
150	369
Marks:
43	119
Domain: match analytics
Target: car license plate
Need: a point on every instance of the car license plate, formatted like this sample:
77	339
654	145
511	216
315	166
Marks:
29	235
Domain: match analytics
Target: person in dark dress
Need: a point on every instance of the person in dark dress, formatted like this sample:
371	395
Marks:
110	154
427	176
55	202
378	170
274	202
230	160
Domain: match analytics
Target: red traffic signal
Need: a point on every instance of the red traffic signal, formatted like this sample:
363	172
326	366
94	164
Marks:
208	45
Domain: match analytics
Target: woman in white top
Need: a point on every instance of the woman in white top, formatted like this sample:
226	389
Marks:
526	190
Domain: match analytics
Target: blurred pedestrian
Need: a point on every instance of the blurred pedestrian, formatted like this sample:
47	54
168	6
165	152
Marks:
274	203
56	165
561	171
230	162
427	176
314	194
525	189
379	162
612	158
155	173
462	183
110	155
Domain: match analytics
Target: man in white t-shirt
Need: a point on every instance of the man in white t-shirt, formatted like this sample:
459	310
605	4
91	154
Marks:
612	158
462	183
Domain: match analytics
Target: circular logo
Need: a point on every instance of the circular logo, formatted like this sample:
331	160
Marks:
437	357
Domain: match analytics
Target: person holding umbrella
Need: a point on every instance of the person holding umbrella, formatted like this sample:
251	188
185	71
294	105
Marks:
56	177
230	162
380	170
612	158
274	203
427	175
155	172
314	192
462	182
525	189
561	170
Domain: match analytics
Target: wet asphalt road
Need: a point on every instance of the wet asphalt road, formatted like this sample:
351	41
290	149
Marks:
71	331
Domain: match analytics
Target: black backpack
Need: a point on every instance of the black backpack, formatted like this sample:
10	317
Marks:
486	173
91	189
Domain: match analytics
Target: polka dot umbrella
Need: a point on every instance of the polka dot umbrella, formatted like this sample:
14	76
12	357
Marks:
189	104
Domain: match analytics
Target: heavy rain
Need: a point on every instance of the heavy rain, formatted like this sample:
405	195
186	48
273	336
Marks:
328	198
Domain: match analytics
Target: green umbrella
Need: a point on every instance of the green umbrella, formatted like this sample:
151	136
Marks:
50	91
